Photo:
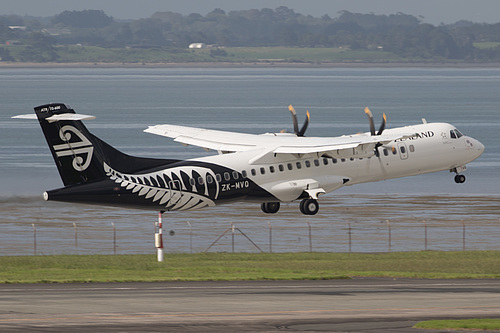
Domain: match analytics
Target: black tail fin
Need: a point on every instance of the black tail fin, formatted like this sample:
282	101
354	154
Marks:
78	154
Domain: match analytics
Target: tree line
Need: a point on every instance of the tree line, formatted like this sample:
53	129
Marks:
402	34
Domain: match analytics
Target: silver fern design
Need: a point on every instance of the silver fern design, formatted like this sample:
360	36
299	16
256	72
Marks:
178	188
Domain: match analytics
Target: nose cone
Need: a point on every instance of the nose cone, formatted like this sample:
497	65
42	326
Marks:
478	147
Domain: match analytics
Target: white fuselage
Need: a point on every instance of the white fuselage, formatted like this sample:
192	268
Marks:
434	147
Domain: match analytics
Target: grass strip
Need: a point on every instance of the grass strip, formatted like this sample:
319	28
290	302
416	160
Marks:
472	324
248	266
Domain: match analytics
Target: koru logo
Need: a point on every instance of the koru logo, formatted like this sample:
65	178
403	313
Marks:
78	146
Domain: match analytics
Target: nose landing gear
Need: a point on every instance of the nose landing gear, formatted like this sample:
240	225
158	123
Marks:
459	179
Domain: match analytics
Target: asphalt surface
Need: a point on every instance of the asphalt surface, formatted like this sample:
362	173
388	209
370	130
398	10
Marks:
358	305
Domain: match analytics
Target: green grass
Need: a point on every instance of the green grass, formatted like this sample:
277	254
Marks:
298	55
486	45
471	324
242	266
94	54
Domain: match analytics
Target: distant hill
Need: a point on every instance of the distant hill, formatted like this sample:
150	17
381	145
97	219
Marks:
76	35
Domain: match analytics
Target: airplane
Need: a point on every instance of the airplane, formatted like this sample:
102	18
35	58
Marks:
268	169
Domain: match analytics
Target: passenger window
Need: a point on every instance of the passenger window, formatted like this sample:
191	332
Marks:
316	162
386	152
281	167
254	172
210	179
412	148
394	151
262	171
244	173
271	168
299	165
227	176
200	181
342	160
403	149
192	181
218	177
290	166
308	164
235	175
325	161
334	160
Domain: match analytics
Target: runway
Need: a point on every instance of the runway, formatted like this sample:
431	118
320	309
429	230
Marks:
357	305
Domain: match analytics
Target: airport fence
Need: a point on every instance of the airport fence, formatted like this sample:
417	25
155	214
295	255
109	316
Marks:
349	236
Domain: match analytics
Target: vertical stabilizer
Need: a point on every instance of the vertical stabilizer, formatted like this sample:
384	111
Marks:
80	155
70	143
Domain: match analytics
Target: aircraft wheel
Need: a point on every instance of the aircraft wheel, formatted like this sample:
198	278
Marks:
270	207
309	206
459	179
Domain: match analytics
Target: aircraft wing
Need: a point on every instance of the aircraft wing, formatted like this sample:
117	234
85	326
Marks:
359	145
221	141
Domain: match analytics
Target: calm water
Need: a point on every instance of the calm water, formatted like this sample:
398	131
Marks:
126	101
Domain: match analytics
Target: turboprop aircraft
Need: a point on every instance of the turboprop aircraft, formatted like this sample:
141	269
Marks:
268	169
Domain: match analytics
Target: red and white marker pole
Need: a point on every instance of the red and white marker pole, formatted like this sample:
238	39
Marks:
159	238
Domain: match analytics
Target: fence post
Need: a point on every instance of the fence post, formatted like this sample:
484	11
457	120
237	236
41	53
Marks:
270	237
310	237
350	237
34	238
232	237
114	237
463	235
425	234
390	236
190	237
76	237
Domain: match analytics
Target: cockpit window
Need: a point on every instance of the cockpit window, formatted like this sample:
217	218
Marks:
455	134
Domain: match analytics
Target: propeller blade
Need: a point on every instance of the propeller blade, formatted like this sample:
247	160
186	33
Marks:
382	126
370	117
295	122
306	123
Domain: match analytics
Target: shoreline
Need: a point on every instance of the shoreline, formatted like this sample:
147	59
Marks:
17	65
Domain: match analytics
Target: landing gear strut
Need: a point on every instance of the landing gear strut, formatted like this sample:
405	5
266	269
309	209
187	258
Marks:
270	207
309	206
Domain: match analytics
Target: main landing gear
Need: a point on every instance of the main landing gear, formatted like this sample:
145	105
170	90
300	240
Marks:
307	207
270	207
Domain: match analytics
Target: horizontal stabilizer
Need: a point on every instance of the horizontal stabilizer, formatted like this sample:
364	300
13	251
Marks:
58	117
26	116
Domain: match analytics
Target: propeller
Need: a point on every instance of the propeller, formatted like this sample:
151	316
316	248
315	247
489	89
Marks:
372	125
296	123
